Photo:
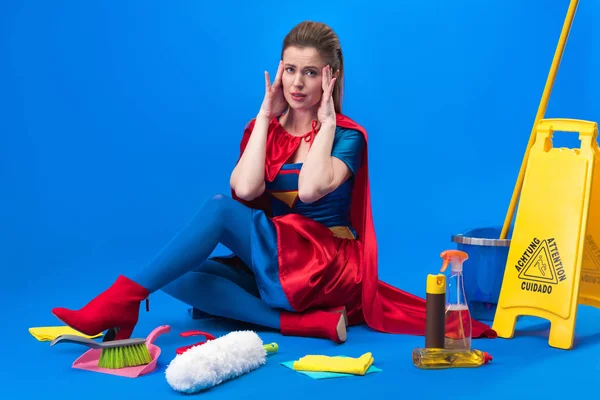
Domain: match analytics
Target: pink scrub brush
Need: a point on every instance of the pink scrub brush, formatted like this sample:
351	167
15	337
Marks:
90	359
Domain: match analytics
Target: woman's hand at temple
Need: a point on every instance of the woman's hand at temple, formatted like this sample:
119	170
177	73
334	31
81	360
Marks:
274	103
326	111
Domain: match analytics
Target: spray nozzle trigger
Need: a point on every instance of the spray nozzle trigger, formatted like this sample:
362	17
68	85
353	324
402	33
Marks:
456	257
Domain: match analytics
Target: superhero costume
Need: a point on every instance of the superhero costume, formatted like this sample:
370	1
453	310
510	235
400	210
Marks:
324	266
290	260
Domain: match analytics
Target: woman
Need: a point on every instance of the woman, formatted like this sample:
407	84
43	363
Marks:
298	223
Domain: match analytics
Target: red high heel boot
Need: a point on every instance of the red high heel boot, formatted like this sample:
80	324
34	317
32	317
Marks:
328	324
116	308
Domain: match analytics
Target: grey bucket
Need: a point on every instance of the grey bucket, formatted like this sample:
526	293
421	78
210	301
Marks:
484	270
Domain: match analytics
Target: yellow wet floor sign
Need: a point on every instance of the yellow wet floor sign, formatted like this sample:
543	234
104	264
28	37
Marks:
554	257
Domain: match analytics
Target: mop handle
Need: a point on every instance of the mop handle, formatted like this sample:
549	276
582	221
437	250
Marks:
540	113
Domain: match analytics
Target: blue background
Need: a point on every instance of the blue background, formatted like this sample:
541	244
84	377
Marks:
118	119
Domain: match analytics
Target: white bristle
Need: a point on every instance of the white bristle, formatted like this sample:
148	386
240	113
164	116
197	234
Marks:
216	361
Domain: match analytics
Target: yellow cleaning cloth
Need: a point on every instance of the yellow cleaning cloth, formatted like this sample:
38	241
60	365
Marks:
49	333
345	365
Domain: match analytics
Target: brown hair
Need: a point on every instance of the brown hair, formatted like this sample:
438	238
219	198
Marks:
326	42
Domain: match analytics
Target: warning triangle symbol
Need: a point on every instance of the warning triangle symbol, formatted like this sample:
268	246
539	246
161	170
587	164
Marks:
540	268
591	256
590	263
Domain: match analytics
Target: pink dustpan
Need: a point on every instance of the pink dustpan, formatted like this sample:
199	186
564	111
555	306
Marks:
89	360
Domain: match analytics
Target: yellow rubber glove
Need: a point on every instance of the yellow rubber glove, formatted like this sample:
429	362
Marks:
344	365
49	333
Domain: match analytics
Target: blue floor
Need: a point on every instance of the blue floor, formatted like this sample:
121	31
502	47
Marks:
521	367
119	118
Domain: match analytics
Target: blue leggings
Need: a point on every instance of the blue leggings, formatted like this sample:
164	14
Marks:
182	269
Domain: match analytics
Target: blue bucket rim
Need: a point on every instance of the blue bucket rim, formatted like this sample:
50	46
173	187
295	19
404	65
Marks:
474	241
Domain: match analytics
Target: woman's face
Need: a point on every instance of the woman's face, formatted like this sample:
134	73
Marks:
302	77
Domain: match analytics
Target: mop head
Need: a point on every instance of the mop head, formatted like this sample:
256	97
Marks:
216	361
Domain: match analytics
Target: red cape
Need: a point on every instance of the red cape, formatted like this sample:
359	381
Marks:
385	308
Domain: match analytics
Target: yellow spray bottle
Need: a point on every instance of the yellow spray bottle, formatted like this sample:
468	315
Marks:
442	328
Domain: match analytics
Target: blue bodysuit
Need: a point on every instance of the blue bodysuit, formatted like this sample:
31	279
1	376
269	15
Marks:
254	292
